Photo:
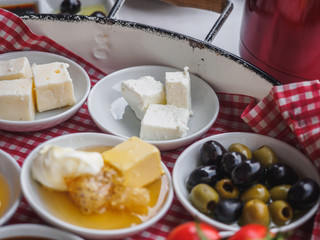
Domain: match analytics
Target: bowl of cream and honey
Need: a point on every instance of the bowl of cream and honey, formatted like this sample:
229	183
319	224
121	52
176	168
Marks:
97	185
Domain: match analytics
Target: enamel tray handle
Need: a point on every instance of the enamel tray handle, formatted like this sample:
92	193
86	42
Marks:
211	5
223	7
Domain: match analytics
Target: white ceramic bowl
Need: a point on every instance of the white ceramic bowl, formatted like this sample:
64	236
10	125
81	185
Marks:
35	231
10	170
112	114
47	119
189	160
80	140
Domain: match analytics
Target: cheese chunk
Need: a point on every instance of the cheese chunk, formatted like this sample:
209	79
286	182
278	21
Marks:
164	122
16	100
178	89
53	86
138	162
15	69
140	93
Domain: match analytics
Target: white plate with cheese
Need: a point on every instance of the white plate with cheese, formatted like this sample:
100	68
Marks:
50	118
111	113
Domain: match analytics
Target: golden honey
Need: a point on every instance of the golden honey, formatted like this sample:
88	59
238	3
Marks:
4	195
61	206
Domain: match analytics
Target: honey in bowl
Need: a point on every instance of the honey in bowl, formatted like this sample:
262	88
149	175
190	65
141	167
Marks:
4	195
61	204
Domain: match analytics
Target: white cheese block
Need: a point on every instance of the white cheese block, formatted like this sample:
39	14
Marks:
15	69
53	86
178	90
164	122
16	100
140	93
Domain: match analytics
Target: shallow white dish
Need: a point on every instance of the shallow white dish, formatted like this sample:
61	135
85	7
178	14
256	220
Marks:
80	140
111	113
36	231
43	120
190	158
10	170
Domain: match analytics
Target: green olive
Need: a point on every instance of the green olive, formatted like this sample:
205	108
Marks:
265	155
204	198
241	148
279	192
257	191
226	189
281	212
255	211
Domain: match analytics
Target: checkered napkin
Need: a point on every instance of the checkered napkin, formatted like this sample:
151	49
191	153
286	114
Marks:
16	36
291	113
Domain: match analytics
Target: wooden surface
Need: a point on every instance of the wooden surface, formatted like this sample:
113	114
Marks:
212	5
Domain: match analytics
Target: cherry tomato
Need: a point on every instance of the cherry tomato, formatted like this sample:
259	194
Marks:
194	231
252	232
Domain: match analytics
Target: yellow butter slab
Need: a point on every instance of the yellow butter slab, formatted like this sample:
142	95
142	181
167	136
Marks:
138	162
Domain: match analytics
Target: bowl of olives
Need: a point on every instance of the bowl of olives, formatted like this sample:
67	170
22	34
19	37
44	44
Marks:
232	179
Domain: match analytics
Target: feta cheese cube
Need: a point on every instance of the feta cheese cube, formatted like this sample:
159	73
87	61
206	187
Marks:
138	162
17	100
164	122
178	90
53	86
15	69
140	93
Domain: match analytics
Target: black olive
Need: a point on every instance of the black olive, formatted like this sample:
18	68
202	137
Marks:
230	160
303	194
204	174
228	210
279	174
70	6
211	153
247	173
98	14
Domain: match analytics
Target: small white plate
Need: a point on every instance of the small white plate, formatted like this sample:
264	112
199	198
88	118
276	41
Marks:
81	140
10	170
47	119
190	159
30	231
111	113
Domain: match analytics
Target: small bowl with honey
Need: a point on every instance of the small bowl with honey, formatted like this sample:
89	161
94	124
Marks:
35	232
10	193
97	185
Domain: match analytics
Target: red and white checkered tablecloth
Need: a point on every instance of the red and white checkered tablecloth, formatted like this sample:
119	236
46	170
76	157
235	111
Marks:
290	113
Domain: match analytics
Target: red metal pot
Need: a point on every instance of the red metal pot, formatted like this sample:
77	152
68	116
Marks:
282	38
